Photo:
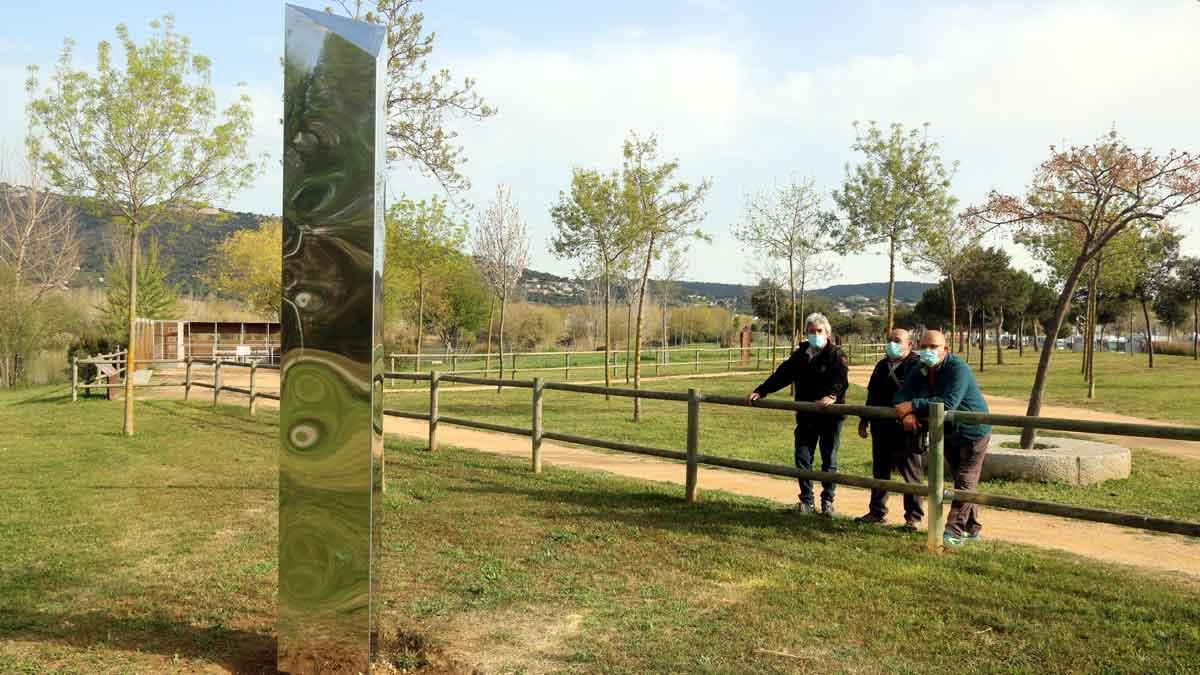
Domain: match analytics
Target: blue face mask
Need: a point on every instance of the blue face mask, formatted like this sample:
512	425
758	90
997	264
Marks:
893	350
929	357
817	341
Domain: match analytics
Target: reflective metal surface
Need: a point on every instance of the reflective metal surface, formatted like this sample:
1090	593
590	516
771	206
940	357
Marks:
331	423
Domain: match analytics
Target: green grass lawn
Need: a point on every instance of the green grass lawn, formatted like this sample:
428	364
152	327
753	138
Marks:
157	554
1159	485
1123	383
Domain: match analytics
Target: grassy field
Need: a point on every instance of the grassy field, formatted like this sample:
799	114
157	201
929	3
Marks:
1123	383
1159	485
157	554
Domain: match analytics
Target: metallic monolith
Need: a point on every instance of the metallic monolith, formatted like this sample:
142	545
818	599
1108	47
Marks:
331	424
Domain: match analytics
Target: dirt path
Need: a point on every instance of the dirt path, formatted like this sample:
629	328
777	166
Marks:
1167	553
860	375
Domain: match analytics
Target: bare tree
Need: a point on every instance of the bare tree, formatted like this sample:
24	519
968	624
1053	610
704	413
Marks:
788	224
502	249
39	254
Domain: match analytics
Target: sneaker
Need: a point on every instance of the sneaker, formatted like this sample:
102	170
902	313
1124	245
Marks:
952	541
801	508
909	526
827	509
972	538
870	519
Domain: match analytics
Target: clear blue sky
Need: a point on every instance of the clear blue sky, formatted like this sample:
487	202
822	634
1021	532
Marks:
745	93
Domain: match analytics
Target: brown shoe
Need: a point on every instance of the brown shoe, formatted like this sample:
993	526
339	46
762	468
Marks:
871	519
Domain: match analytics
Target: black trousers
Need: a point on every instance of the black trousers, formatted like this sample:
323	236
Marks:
892	450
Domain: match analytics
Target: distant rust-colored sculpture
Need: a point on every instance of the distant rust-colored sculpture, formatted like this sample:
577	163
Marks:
331	424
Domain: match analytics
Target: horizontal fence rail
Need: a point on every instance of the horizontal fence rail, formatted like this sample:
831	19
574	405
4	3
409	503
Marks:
933	488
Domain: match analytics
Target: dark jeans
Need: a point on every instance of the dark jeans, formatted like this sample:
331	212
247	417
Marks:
825	436
966	462
892	449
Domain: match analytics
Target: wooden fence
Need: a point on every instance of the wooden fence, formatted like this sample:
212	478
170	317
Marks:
710	359
937	494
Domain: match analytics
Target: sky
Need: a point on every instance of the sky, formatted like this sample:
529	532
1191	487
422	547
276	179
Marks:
748	94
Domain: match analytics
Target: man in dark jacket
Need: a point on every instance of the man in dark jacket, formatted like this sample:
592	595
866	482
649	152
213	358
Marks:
818	371
945	378
892	448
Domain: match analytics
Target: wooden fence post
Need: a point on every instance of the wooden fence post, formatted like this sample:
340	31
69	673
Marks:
253	368
536	435
454	363
187	379
567	366
696	366
216	381
433	409
75	378
693	442
758	358
729	359
934	476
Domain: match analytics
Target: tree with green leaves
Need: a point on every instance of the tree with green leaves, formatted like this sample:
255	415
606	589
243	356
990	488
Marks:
1014	301
944	252
592	227
662	213
139	140
1088	195
1188	289
246	266
458	302
983	287
421	238
897	195
789	224
157	298
1157	255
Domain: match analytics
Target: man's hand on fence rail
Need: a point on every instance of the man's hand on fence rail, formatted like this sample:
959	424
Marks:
826	402
904	409
910	422
752	397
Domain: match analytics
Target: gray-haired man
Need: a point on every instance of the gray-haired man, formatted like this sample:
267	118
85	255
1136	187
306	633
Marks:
818	371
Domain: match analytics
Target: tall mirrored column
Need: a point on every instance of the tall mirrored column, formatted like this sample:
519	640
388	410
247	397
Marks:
331	425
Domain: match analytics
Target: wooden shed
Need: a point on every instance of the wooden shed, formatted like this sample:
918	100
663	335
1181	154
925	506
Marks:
230	340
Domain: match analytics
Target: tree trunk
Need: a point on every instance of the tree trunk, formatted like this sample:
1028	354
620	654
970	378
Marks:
628	327
1029	434
1195	329
130	360
982	336
420	319
1021	337
775	328
607	333
965	347
487	360
999	330
637	335
500	337
953	314
792	291
891	314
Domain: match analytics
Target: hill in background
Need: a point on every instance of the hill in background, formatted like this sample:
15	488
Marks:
187	243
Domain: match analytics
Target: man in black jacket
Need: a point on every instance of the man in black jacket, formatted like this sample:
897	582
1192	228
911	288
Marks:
892	448
818	371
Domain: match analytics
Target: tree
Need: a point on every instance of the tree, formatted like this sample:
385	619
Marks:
1156	259
898	194
933	309
661	214
1090	194
1041	306
1171	307
944	251
39	254
502	247
422	239
674	264
1189	290
420	102
983	288
790	225
592	227
1015	294
139	142
157	299
247	266
458	302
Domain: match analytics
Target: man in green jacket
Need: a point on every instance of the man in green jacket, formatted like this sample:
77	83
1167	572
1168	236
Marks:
944	378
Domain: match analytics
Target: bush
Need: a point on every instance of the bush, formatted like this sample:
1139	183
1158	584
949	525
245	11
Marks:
87	346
